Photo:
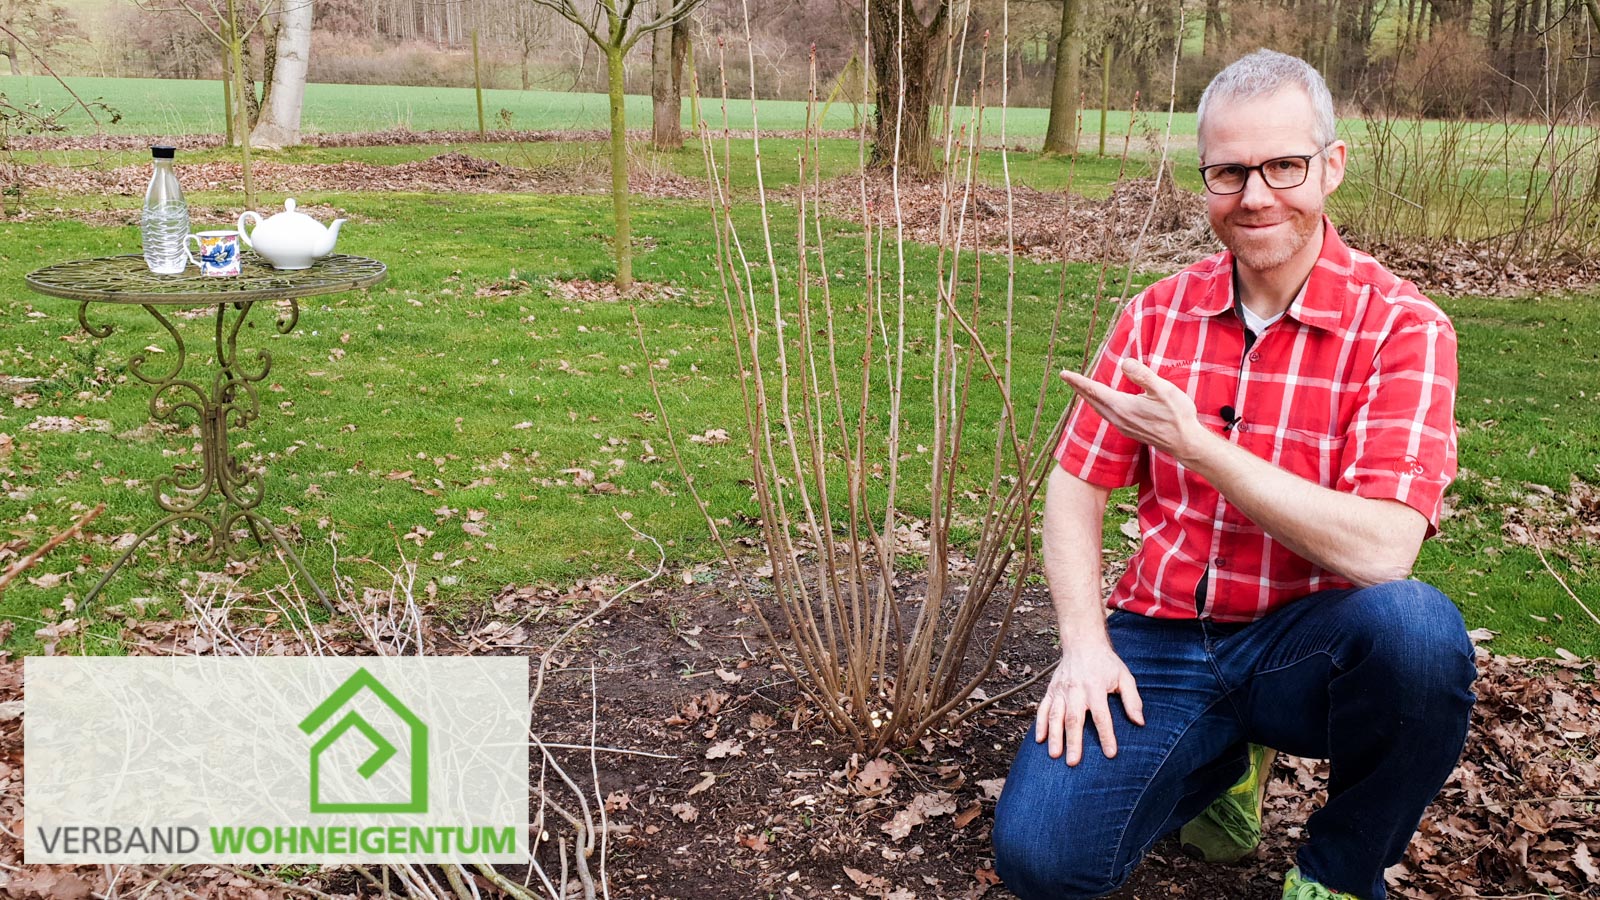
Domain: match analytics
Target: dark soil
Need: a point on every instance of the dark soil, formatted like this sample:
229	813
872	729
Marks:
747	794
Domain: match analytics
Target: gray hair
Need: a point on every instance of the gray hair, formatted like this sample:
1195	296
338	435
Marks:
1264	73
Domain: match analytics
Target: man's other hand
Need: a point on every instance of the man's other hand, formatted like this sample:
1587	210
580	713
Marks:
1079	691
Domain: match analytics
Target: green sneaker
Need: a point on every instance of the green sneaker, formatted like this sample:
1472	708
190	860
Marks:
1230	827
1297	888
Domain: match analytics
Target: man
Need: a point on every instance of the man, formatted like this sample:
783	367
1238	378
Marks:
1287	410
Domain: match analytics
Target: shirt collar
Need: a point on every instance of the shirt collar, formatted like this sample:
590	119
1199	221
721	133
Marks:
1320	302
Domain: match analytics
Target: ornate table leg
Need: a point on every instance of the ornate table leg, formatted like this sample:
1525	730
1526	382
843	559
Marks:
234	489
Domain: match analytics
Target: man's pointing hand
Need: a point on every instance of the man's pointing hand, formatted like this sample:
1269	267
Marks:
1162	417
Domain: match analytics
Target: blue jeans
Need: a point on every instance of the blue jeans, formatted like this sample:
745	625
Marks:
1376	680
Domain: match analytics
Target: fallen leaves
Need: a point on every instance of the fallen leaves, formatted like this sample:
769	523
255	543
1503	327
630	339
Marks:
875	777
922	808
67	424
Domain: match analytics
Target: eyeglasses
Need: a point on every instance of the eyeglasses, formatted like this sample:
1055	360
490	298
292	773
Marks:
1279	174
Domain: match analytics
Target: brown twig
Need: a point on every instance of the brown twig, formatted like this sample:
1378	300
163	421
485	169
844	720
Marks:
17	567
1563	583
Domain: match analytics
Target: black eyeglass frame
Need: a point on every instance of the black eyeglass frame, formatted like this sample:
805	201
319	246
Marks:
1261	168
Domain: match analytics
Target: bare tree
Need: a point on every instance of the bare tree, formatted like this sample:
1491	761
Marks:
1062	134
614	28
42	25
904	65
279	123
231	27
667	50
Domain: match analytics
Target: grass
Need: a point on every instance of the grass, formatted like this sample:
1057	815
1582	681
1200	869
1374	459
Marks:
399	407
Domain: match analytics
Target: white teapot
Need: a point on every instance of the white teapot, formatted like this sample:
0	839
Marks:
289	240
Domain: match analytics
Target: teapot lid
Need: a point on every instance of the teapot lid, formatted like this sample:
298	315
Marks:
291	215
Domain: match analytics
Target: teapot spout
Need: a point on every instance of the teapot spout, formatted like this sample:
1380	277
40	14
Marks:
325	246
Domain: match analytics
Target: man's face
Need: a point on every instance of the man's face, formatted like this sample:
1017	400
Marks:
1267	227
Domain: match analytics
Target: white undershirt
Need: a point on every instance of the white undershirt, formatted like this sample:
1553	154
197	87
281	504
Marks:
1255	323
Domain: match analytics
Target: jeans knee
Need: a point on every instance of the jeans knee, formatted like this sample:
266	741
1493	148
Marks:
1037	865
1416	635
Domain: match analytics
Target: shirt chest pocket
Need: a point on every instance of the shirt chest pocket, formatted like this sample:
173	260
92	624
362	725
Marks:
1315	456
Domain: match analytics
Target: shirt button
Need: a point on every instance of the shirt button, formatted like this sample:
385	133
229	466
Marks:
1255	357
1220	562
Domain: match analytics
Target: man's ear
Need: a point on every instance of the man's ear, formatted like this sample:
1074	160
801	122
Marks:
1333	167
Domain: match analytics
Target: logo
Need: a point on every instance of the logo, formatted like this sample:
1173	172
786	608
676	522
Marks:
327	760
383	751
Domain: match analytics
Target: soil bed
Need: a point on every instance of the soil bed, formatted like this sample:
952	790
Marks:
744	793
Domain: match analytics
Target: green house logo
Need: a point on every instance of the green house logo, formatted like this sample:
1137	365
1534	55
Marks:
383	750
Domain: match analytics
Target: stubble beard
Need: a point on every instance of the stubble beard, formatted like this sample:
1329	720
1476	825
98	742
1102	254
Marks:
1266	255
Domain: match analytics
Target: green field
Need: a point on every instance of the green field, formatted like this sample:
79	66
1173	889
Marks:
157	106
400	407
469	385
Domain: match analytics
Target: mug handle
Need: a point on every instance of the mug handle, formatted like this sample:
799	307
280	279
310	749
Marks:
190	253
247	214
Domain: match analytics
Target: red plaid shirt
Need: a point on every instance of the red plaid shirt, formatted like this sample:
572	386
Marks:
1353	389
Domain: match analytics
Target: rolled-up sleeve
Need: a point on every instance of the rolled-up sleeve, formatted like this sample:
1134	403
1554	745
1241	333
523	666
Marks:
1402	439
1092	448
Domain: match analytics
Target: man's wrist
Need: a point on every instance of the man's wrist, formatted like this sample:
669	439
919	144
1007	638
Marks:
1084	631
1201	452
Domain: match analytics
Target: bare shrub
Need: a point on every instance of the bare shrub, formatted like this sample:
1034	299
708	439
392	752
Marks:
1516	195
893	621
1443	77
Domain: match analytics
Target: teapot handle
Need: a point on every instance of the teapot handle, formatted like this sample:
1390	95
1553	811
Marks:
247	214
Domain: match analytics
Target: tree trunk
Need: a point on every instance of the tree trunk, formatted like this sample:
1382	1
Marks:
1215	35
11	54
667	47
902	132
1105	91
1062	134
227	88
279	124
240	110
619	169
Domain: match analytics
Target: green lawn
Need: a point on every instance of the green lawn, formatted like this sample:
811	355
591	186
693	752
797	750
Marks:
170	106
401	406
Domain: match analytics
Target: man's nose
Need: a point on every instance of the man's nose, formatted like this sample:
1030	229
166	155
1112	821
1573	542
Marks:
1256	194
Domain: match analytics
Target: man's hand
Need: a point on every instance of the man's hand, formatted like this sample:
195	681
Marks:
1081	685
1163	416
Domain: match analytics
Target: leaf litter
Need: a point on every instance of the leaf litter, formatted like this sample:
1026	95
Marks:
754	796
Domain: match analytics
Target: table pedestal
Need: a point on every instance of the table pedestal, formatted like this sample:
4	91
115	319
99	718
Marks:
224	493
222	496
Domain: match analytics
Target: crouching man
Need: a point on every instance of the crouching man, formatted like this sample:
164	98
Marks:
1287	410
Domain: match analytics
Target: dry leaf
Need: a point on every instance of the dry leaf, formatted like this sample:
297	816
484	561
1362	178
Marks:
922	808
721	749
992	787
685	812
1585	863
875	777
705	783
965	817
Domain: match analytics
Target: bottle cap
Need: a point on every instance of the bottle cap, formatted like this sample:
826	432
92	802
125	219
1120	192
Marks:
163	152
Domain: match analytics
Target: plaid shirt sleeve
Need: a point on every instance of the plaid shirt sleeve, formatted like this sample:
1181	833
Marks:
1091	448
1402	438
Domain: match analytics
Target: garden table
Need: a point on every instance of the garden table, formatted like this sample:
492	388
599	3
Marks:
225	493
